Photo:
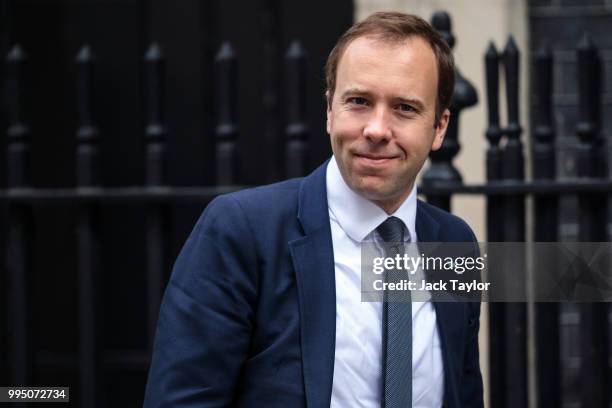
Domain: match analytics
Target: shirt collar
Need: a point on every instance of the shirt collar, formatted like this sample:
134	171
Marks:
358	216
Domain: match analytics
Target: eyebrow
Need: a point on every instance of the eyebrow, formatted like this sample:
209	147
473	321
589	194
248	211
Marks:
355	91
411	101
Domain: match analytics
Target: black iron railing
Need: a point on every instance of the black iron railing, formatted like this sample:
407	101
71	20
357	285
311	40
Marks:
506	191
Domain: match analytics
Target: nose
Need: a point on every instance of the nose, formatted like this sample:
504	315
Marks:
378	127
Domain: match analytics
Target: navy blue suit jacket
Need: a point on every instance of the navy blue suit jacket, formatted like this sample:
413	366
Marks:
248	317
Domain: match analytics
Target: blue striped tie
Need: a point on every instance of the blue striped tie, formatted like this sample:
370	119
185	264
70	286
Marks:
397	325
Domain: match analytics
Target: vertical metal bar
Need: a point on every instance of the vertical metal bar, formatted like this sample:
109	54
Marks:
155	163
271	23
18	228
493	135
513	162
155	131
5	367
442	170
18	132
592	226
226	157
497	338
88	246
548	367
297	128
514	231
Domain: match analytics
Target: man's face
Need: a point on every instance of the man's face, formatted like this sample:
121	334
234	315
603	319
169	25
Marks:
381	118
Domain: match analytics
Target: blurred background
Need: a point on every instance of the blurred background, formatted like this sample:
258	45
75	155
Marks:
122	119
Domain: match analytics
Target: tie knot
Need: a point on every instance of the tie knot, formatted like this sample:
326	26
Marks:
392	230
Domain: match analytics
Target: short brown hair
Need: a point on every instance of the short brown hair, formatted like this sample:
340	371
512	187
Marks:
395	27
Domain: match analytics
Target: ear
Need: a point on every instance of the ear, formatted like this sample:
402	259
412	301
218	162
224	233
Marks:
329	103
440	130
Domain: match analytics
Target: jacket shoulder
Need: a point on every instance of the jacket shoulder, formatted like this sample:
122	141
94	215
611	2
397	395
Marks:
271	197
281	190
258	206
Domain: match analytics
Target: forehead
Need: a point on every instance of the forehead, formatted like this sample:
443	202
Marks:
406	66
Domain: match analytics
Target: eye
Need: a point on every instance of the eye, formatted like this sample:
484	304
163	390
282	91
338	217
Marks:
404	107
357	100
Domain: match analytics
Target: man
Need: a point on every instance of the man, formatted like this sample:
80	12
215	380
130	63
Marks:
264	307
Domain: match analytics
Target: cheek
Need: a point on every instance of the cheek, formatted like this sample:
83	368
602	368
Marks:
418	144
339	148
346	123
343	134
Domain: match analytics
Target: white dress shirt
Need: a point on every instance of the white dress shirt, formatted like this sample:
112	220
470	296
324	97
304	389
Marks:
357	378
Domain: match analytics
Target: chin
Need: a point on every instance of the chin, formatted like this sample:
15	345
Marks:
380	188
374	192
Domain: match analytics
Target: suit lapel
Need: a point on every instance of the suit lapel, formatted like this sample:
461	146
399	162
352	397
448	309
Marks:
448	314
313	261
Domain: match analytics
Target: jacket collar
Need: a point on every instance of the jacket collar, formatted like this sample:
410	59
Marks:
312	201
313	213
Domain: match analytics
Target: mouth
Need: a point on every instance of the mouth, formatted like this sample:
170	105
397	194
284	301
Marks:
374	159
